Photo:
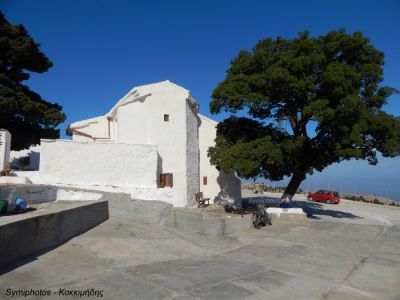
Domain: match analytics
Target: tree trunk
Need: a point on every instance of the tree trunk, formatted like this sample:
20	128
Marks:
293	185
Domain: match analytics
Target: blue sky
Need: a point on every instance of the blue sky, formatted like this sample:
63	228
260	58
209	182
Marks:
101	49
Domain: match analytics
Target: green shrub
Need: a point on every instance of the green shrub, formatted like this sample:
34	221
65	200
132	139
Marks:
376	201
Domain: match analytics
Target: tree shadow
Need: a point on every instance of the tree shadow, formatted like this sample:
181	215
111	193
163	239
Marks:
28	162
12	213
312	209
229	186
315	209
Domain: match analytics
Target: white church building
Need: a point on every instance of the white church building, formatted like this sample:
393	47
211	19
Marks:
152	143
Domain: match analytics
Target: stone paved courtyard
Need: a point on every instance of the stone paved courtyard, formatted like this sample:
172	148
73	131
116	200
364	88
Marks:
345	251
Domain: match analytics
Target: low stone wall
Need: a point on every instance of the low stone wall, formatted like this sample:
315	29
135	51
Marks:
149	212
38	232
32	176
38	193
161	213
196	221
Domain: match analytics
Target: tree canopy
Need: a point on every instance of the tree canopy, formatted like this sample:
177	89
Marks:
22	111
299	105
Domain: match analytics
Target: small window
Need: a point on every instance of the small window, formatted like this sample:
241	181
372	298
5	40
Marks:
205	180
166	180
166	118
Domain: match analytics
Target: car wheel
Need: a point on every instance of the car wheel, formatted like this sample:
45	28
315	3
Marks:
329	201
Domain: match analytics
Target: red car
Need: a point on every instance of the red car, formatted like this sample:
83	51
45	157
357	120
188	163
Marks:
326	196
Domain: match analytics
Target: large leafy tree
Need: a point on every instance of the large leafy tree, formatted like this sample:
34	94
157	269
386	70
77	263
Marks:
22	111
299	105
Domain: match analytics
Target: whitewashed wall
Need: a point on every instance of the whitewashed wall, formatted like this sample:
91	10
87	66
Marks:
85	164
220	186
5	145
145	118
138	118
91	130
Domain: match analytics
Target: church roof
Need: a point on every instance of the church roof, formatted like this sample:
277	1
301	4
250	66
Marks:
138	93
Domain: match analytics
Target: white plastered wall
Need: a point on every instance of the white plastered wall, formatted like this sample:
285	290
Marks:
220	186
5	145
108	164
145	118
91	130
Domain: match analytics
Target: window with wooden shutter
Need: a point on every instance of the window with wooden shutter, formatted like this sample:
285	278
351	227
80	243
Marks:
204	180
166	180
162	180
169	180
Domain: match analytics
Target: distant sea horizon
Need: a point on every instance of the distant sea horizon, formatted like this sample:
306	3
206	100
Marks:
342	188
353	177
394	197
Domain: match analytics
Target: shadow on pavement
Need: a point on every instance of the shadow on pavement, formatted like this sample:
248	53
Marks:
314	209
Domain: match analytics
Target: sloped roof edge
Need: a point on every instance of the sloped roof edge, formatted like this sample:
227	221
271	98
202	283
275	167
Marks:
84	123
203	117
127	98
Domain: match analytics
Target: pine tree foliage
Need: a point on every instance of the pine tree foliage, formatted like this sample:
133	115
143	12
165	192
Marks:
23	112
327	90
